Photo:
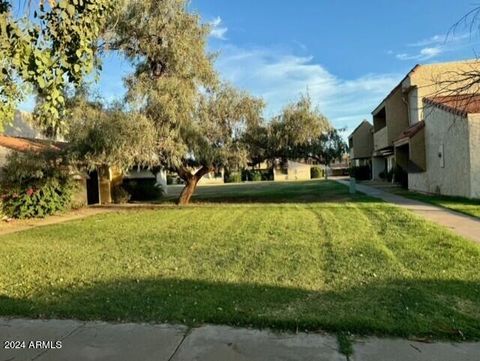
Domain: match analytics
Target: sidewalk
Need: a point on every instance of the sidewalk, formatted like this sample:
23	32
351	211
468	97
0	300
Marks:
101	341
463	225
18	225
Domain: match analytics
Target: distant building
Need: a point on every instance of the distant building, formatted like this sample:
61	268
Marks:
291	171
360	143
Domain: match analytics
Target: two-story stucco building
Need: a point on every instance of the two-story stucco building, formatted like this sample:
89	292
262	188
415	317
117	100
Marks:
451	134
360	144
397	137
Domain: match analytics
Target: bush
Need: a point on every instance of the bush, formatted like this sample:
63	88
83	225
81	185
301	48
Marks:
316	172
267	175
361	173
234	177
388	176
145	189
35	185
256	176
120	195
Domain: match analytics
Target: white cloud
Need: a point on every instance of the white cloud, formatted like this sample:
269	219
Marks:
280	77
434	46
217	30
423	54
440	40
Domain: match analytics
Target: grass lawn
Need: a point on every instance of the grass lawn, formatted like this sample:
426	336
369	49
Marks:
296	256
466	206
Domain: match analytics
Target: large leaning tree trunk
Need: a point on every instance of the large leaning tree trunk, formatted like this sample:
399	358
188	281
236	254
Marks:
191	181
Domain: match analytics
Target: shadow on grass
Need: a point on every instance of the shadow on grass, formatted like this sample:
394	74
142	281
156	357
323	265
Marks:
431	309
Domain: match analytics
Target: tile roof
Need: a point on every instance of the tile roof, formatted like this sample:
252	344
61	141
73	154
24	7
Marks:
29	144
461	104
411	131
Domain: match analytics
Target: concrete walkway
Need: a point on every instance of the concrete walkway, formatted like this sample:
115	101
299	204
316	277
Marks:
66	340
18	225
463	225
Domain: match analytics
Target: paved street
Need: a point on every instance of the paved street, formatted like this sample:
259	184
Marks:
147	342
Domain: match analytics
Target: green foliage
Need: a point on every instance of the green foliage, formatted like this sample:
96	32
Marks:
234	177
120	195
316	172
256	176
35	185
252	175
363	172
113	136
143	189
299	125
345	344
51	50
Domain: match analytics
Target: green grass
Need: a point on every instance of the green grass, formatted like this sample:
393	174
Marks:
466	206
311	259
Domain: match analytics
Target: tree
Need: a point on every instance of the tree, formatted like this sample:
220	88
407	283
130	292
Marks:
303	132
48	51
198	121
298	125
326	148
214	137
99	135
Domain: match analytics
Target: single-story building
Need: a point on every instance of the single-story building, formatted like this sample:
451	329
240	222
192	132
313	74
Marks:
9	144
291	171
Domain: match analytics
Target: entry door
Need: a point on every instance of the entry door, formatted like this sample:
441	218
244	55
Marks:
93	191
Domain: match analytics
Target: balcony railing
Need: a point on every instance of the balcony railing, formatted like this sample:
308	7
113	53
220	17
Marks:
380	139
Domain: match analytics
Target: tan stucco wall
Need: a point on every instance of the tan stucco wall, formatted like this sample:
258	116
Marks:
397	115
429	80
210	179
296	171
417	150
474	145
444	128
380	139
362	140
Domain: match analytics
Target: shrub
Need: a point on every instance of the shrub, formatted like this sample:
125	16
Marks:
35	185
256	176
120	195
145	189
388	176
234	177
267	175
316	172
361	173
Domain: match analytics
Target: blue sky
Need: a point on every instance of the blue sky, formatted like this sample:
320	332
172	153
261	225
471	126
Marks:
347	53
